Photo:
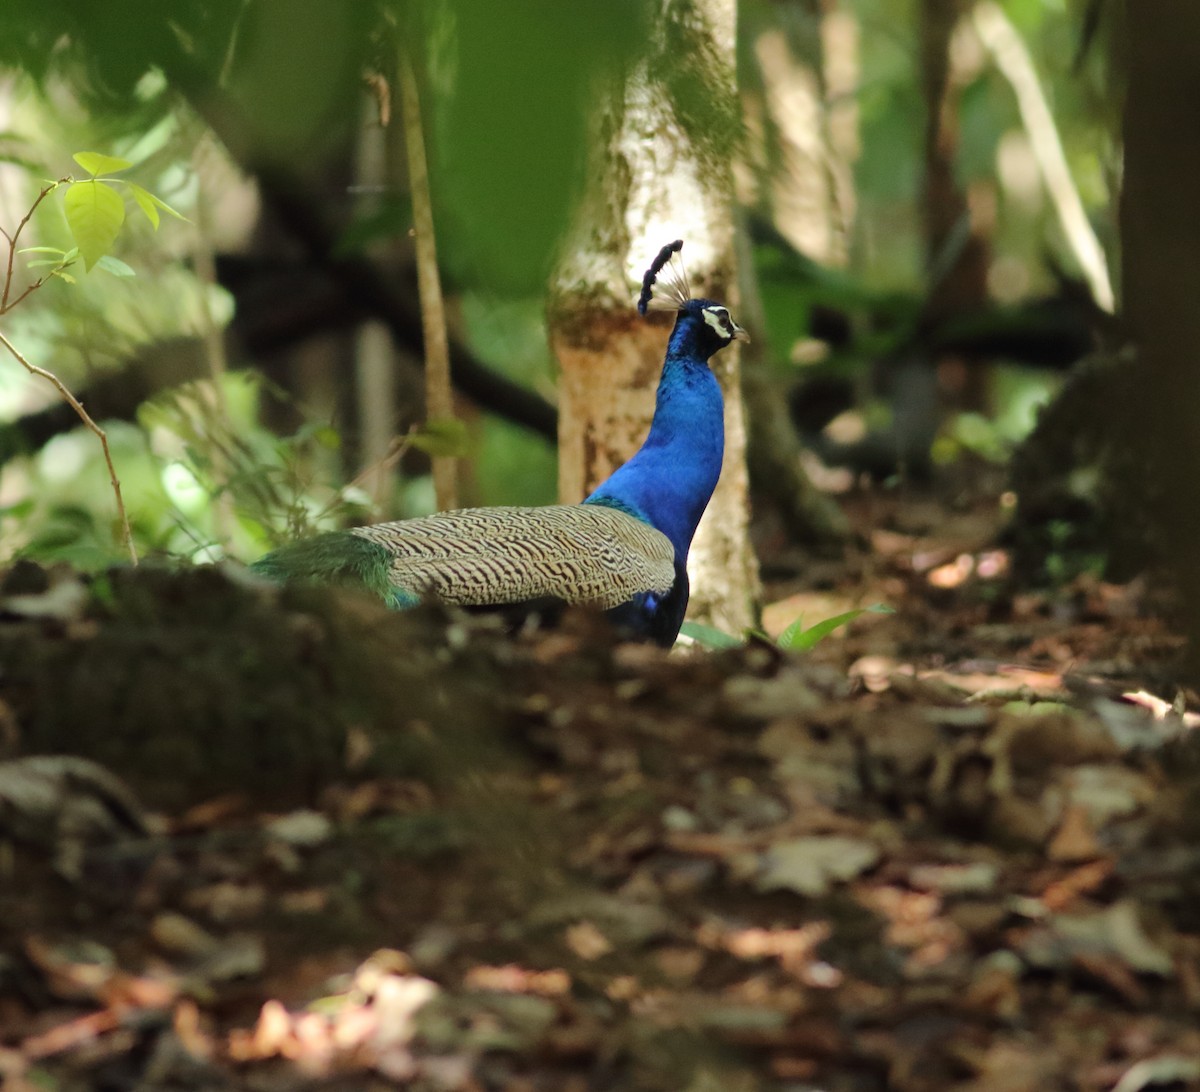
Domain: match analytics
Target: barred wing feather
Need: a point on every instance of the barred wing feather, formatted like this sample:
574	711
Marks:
487	556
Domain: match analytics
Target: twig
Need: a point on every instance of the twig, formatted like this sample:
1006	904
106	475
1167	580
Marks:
397	449
438	397
12	248
29	288
86	418
1001	39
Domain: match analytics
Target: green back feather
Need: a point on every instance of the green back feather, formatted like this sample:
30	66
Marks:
335	558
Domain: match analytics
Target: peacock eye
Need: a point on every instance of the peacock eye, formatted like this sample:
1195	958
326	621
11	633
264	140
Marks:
718	318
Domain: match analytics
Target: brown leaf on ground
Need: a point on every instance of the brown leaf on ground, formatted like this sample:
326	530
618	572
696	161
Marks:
951	850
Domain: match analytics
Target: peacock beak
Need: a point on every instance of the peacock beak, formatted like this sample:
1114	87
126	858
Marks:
739	334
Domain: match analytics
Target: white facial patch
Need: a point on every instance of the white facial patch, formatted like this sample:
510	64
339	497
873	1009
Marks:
718	318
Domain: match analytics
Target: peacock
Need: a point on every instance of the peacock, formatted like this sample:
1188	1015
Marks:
623	550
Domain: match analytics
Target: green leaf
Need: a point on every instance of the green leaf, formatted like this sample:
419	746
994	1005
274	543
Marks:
65	276
160	203
95	213
116	267
145	202
441	436
98	163
19	510
41	250
798	639
709	636
328	438
150	204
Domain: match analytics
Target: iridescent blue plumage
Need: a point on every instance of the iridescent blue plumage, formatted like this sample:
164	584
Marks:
623	550
669	481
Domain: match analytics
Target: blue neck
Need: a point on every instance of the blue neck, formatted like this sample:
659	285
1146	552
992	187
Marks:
669	481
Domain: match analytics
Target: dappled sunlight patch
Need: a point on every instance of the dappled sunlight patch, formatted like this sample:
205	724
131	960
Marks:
988	565
794	949
1162	710
875	672
1002	682
916	923
514	979
372	1024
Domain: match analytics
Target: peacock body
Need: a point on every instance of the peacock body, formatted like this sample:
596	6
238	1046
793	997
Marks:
623	550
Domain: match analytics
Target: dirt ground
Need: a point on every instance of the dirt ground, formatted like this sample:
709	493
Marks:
252	840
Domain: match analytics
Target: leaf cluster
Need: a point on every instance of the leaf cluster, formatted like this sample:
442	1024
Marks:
95	211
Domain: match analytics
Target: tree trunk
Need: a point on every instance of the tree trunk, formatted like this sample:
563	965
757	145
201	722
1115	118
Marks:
956	234
655	178
1160	231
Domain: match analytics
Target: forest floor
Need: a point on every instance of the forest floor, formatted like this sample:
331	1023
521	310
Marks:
955	847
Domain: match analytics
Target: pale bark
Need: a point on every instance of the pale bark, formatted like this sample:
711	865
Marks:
651	183
802	126
803	140
374	354
802	194
439	395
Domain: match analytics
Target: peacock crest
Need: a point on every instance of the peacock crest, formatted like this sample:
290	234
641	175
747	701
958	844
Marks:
665	288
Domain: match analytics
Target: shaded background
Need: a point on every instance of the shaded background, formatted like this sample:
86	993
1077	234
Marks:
912	251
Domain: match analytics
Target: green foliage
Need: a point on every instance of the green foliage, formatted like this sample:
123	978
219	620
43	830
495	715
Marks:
96	163
56	262
94	214
511	122
67	514
150	205
510	465
276	486
390	220
793	639
95	211
709	636
798	639
793	286
1018	394
441	436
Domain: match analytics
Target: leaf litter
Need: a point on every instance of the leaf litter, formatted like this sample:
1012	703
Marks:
953	848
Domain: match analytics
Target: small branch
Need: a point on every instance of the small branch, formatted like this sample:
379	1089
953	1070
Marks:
86	418
12	247
1001	39
397	448
438	395
31	288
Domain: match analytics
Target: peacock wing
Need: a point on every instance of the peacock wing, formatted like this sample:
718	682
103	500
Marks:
490	556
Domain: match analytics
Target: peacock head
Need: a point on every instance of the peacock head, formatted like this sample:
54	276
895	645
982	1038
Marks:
703	326
708	326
